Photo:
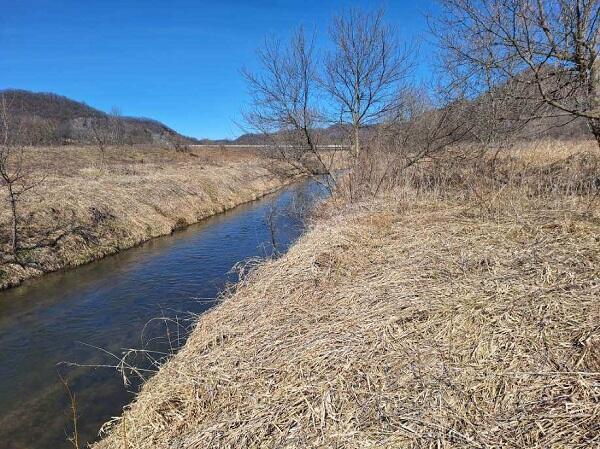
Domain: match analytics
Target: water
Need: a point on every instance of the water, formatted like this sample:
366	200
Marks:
83	315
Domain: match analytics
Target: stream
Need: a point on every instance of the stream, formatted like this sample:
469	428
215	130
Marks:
79	323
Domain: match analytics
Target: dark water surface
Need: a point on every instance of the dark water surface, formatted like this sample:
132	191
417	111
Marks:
112	304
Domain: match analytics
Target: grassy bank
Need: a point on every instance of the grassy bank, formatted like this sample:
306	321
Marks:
87	207
458	310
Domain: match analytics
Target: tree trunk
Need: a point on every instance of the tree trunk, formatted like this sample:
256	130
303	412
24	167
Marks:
13	208
594	91
356	142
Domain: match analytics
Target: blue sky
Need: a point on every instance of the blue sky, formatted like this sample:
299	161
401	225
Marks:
176	61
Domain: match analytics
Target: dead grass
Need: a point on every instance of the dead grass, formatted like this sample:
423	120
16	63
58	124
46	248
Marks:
84	211
429	318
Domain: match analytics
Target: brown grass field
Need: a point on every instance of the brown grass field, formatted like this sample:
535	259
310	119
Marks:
459	310
85	209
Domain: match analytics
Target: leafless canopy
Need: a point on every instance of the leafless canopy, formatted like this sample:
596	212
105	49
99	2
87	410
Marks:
15	177
542	51
284	102
364	72
418	131
298	93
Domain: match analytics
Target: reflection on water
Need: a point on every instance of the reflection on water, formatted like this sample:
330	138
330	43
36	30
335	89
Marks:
84	315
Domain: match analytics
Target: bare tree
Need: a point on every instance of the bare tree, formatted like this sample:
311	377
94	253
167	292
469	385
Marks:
364	72
107	130
100	135
285	106
15	177
115	126
540	51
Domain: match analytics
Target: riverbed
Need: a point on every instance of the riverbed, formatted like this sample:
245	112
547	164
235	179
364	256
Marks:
136	306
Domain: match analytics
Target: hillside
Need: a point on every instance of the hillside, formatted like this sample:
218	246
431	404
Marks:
559	128
47	118
327	136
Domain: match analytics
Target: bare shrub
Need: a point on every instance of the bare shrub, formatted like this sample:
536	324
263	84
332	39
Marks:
16	177
542	51
416	133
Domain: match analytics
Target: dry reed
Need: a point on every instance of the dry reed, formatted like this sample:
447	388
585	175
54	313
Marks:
464	315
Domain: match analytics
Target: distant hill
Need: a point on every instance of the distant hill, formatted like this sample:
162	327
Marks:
550	128
244	139
331	135
47	118
51	119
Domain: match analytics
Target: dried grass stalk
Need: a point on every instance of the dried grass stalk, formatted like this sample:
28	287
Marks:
418	320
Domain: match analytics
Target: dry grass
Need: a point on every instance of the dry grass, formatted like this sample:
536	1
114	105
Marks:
431	318
84	211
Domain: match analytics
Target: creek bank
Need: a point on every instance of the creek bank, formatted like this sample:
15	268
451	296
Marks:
134	299
83	216
404	322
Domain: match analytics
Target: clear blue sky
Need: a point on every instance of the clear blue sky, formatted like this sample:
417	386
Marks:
176	61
